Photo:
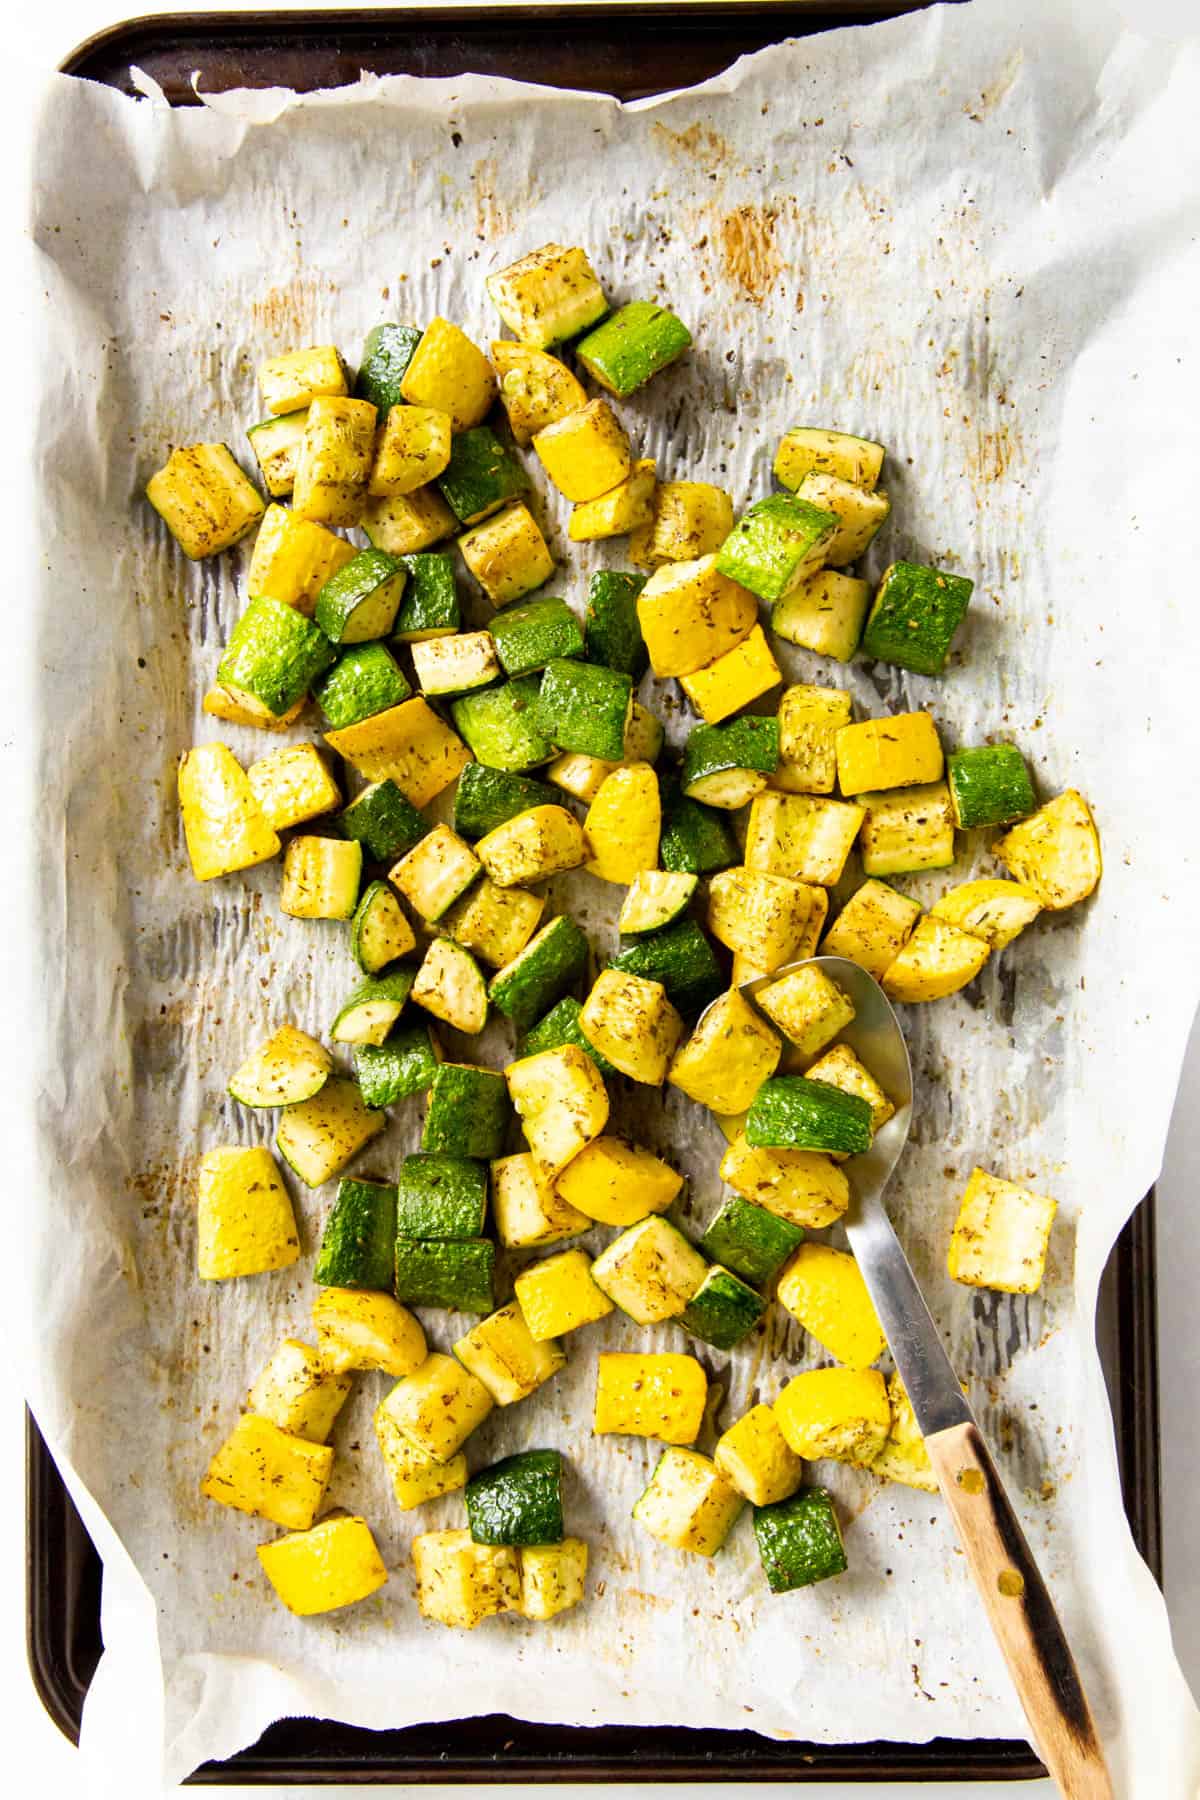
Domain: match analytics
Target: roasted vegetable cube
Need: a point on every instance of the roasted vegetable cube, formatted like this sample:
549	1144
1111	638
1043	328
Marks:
623	824
548	296
438	1405
507	554
650	1395
1056	852
872	928
501	1352
914	617
435	872
321	878
688	1504
415	1477
801	1186
1001	1235
859	512
898	751
559	1295
729	1055
824	1291
632	1023
204	499
809	721
260	1469
842	1069
839	1413
334	1564
450	374
618	1183
651	1271
723	1309
408	744
405	525
776	544
746	1238
803	836
791	1113
535	389
552	1578
358	1329
461	1583
467	1114
996	911
905	830
562	1102
528	1213
691	519
293	558
825	614
756	1458
763	916
691	614
245	1223
629	506
733	680
292	785
937	960
223	823
358	1238
299	1392
494	922
412	449
807	1007
989	785
800	1540
587	453
632	345
289	1067
299	377
320	1137
809	447
545	841
333	463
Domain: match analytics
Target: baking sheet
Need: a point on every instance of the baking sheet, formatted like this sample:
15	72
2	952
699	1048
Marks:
969	266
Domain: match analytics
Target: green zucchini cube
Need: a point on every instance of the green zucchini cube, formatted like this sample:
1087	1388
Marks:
535	632
467	1113
748	1239
404	1064
480	476
989	785
537	976
914	616
366	679
386	355
729	763
585	707
501	726
429	606
360	601
452	1272
441	1197
791	1113
486	798
613	633
681	958
722	1310
775	544
274	654
695	839
799	1540
518	1500
359	1240
384	822
633	344
561	1026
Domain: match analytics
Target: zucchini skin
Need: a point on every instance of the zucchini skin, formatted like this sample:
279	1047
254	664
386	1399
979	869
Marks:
366	679
535	632
915	614
385	823
584	707
775	543
274	653
403	1064
695	839
750	742
441	1197
989	785
561	1026
480	476
749	1240
681	958
501	726
529	984
358	1242
351	587
722	1310
387	352
518	1500
632	345
791	1113
429	606
799	1540
486	798
467	1113
612	633
452	1272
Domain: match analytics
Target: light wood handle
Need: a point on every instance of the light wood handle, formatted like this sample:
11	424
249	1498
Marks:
1021	1612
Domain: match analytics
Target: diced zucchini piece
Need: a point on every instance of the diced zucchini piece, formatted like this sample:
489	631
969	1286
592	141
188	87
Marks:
275	443
535	389
384	822
907	829
533	846
552	1578
441	1197
842	1069
456	664
690	614
655	899
415	1477
859	512
529	1214
613	631
502	725
800	1540
404	1064
1056	852
584	706
467	1113
580	776
360	602
455	1273
688	1504
804	836
989	785
752	1242
727	765
691	519
904	1456
538	974
791	1113
839	1413
776	544
618	1183
299	376
507	554
825	613
650	1395
321	878
824	1291
511	1366
496	923
809	721
437	1406
322	1136
488	797
681	958
290	1066
872	928
694	837
586	453
429	608
1000	1236
632	1023
650	1271
562	1103
335	1564
292	785
722	1310
480	475
548	296
245	1223
333	463
387	352
260	1469
408	744
937	960
362	1329
292	559
451	985
379	932
223	824
914	616
558	1295
451	374
800	1186
369	1013
561	1026
535	633
518	1500
729	1055
632	345
734	680
435	872
413	448
808	447
901	751
204	499
274	655
995	911
405	524
623	825
807	1007
460	1583
760	916
756	1459
359	1239
629	506
298	1393
365	679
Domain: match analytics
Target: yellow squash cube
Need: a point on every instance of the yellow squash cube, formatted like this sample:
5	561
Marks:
691	614
435	872
689	1504
299	1392
529	1214
415	1477
905	830
809	721
899	751
321	878
293	558
840	1068
502	1353
651	1271
937	960
533	846
450	374
763	917
535	389
411	450
495	923
1056	851
839	1413
292	785
409	744
996	911
559	1295
691	519
630	1021
803	836
548	296
507	554
1001	1235
625	508
359	1329
650	1395
552	1578
578	775
824	614
872	928
223	823
322	1135
729	1055
824	1291
562	1103
299	377
808	1008
801	1186
461	1583
587	453
333	463
734	680
335	1564
624	823
904	1457
204	499
245	1223
860	513
438	1406
260	1469
236	707
756	1458
809	448
618	1183
404	524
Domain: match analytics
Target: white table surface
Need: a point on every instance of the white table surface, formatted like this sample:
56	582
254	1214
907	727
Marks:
37	38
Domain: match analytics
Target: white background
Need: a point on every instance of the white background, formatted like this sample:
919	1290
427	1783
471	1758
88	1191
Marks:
37	38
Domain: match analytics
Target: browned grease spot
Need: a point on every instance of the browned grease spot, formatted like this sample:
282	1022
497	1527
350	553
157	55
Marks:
749	258
699	143
492	219
288	312
990	454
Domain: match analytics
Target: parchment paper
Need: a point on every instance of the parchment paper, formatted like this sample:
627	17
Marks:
970	234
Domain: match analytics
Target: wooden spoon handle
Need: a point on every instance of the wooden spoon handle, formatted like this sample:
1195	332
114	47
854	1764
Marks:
1021	1612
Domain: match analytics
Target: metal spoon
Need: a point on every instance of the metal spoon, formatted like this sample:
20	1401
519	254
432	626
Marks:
1014	1595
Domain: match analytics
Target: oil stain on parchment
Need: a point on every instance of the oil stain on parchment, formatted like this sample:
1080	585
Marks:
750	259
289	312
697	144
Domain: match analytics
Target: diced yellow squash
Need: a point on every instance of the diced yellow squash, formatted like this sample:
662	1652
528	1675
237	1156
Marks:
840	1068
321	1136
507	554
223	822
860	513
809	721
756	1458
260	1469
803	836
292	785
204	499
650	1395
404	524
451	986
298	377
1001	1235
562	1102
438	1405
245	1223
321	878
762	916
433	874
801	1186
808	1008
691	614
333	462
650	1270
415	1477
691	519
824	1291
900	751
839	1413
502	1353
808	447
1056	851
688	1504
734	680
872	928
907	829
627	507
293	558
408	743
578	775
559	1295
904	1456
729	1055
587	453
552	1578
460	1582
623	824
359	1329
412	449
996	911
630	1021
535	389
824	614
495	923
334	1564
617	1183
733	1125
533	846
450	374
549	295
299	1392
236	707
937	960
529	1214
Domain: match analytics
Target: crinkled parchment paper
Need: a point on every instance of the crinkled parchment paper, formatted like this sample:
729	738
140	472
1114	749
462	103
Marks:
970	234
